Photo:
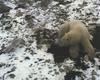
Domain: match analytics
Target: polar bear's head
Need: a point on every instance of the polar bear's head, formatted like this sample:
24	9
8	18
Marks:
64	28
66	40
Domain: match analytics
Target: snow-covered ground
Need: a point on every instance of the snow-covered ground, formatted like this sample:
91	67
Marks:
26	61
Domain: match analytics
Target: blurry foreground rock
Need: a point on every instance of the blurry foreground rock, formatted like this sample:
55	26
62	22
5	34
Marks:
17	42
72	74
60	53
29	19
45	36
45	3
19	13
24	2
4	8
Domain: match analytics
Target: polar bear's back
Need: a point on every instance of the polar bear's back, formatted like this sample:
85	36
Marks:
80	27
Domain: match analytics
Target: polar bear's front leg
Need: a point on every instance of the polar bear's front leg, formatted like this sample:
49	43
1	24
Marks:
74	51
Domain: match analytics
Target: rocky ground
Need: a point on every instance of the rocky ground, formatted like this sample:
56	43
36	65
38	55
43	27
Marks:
28	29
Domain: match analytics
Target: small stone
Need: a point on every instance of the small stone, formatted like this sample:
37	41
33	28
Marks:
19	13
46	78
61	70
35	62
47	61
39	68
21	61
30	41
57	73
93	77
40	59
13	69
27	58
36	79
94	72
8	27
30	76
99	67
12	75
2	64
27	79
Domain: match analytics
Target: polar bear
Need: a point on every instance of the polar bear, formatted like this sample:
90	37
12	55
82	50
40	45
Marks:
73	34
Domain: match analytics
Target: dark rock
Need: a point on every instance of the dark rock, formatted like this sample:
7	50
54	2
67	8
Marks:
20	6
35	62
27	78
63	2
30	76
36	79
40	59
60	53
81	65
13	69
90	13
32	52
85	3
45	3
96	37
15	43
8	27
2	48
57	73
50	72
16	58
71	75
35	53
12	75
28	49
39	68
21	61
8	65
99	67
4	8
27	17
27	58
46	78
98	54
30	41
47	60
2	64
25	2
44	36
95	18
